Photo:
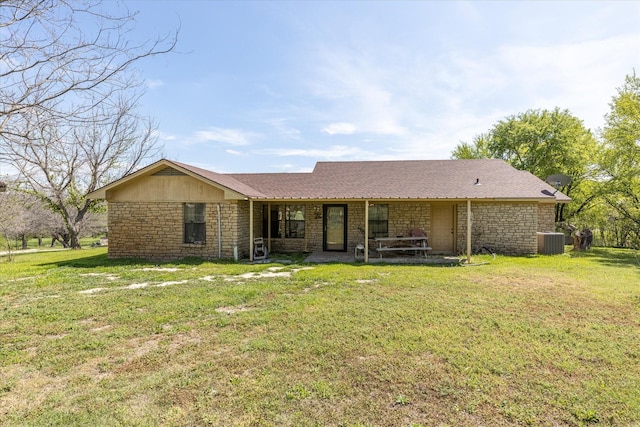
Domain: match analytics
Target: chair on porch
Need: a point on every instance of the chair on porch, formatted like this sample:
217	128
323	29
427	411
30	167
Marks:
260	250
417	232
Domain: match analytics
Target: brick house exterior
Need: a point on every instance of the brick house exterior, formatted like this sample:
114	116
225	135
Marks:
170	210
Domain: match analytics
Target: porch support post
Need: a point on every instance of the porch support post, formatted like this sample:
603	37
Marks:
250	229
268	226
468	231
366	231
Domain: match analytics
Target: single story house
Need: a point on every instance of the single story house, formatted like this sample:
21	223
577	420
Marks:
170	210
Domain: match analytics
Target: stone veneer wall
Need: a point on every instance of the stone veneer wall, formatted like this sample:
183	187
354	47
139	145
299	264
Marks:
404	217
240	235
508	228
154	230
546	217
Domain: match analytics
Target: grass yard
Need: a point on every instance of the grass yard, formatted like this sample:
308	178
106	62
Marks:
545	340
16	245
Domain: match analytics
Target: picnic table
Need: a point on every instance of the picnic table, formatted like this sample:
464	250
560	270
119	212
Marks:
416	244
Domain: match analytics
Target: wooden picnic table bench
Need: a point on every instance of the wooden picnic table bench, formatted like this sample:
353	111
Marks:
395	244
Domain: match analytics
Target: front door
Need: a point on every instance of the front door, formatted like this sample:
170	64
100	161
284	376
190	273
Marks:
442	227
334	221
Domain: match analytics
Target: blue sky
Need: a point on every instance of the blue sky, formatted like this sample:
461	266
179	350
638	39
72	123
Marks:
276	86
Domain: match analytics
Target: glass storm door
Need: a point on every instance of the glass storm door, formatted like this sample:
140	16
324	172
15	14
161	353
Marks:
335	228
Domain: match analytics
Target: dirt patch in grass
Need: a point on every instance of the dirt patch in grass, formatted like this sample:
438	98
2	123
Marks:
182	340
92	291
232	309
172	282
27	389
271	272
106	276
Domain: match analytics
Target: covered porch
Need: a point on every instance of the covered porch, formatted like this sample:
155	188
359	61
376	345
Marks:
332	230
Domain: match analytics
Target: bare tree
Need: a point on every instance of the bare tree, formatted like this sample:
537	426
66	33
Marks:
62	162
68	101
65	57
12	222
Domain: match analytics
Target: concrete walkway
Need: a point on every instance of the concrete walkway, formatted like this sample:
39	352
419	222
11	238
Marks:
29	251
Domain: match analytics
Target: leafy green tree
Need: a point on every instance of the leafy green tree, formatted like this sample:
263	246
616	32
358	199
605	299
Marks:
621	159
478	149
543	142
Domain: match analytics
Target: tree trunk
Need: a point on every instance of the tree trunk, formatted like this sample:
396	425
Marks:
62	237
8	241
74	240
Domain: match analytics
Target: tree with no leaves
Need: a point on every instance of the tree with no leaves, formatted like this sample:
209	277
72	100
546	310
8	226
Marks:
68	101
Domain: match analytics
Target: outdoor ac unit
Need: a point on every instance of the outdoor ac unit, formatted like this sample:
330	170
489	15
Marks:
550	243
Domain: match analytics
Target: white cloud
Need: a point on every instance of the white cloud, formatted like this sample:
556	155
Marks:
359	88
423	103
332	152
289	167
164	136
234	152
234	137
154	83
580	76
434	75
340	129
282	127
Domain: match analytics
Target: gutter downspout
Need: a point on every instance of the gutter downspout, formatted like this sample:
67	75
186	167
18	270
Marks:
468	231
219	232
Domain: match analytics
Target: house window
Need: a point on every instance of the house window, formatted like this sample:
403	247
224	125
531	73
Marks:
378	221
294	221
194	223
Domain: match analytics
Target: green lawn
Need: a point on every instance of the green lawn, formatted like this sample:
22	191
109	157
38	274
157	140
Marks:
545	340
46	243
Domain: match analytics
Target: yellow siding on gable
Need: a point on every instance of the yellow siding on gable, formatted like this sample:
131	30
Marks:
165	189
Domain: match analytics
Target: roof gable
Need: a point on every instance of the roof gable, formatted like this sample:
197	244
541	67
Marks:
232	189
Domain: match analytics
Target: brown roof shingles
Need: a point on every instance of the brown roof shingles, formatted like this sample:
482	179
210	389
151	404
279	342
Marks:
379	180
224	180
403	179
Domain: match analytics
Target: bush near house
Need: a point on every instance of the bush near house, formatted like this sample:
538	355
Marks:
539	340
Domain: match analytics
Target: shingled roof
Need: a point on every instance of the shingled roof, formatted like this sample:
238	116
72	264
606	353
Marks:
480	179
405	179
224	180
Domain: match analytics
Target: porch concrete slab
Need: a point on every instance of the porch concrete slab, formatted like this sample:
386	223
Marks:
347	257
325	257
432	260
